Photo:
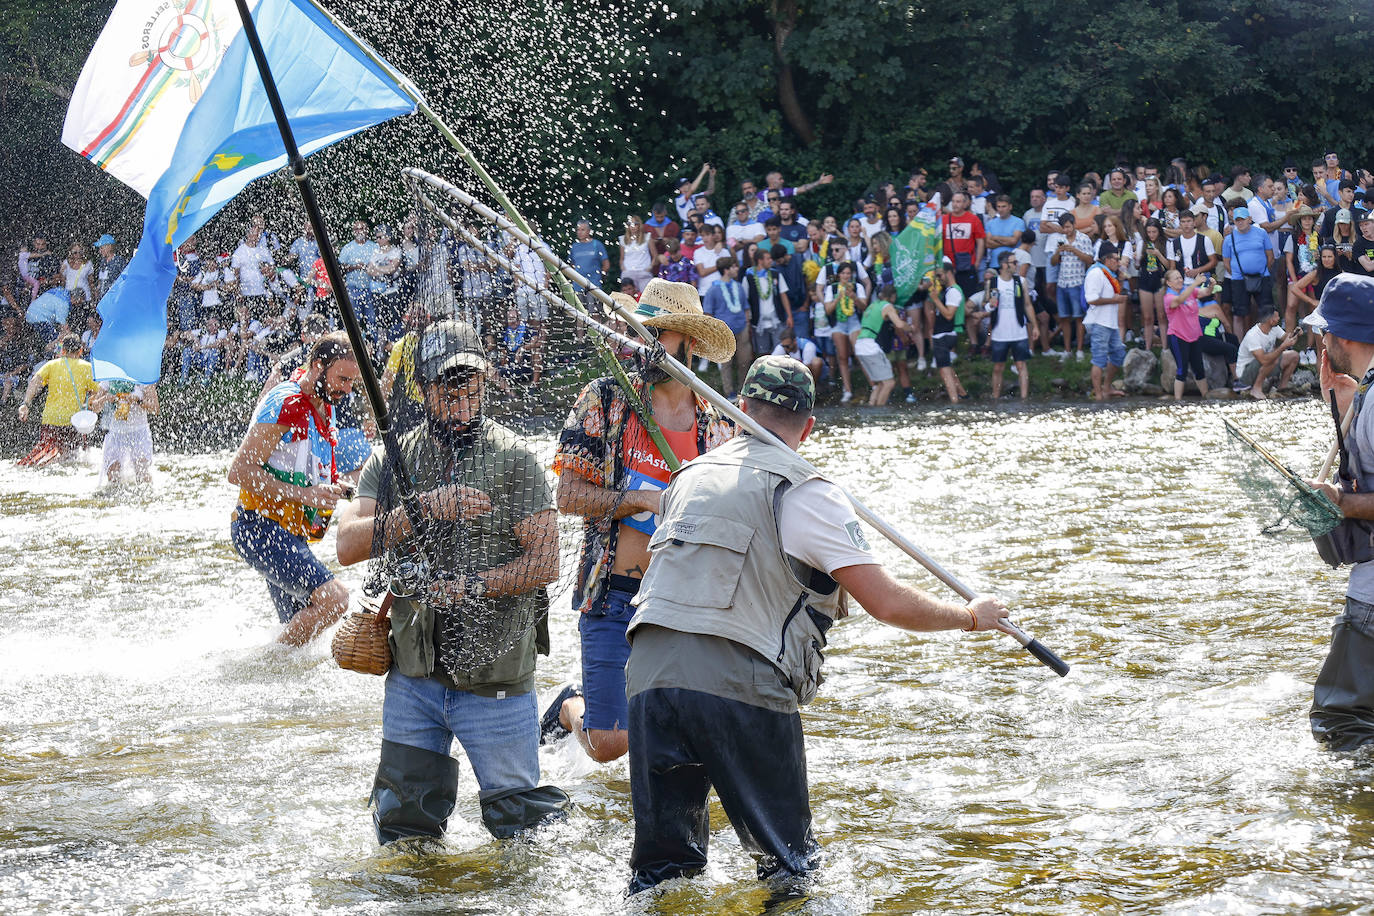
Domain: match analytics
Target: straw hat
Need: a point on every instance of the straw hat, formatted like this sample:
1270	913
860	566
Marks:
1299	213
677	307
625	301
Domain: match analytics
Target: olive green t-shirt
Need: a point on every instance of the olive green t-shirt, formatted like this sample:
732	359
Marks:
500	465
1115	199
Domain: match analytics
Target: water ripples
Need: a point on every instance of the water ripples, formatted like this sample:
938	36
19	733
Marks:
157	755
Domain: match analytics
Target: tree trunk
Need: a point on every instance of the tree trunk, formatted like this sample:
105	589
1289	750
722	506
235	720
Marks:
784	16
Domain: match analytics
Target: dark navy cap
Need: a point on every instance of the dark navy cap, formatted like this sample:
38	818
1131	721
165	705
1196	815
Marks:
1346	309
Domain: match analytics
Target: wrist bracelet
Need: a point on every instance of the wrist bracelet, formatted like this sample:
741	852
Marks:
972	620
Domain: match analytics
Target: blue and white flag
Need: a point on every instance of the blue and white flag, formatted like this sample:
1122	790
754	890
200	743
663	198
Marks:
171	103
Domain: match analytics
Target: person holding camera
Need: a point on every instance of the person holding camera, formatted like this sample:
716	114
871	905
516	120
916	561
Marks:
1072	255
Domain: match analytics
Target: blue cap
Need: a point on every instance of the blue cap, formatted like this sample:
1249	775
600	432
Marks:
105	239
1346	309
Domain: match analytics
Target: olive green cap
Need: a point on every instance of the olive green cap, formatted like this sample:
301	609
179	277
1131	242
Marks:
782	381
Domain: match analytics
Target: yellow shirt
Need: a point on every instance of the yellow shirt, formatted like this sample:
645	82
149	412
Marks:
401	363
69	383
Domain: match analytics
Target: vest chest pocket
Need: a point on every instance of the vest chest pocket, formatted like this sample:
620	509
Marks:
704	562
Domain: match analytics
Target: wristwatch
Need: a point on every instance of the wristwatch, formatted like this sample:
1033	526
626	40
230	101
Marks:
474	586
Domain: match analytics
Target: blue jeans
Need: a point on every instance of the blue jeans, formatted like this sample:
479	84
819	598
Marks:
292	571
365	308
499	736
203	361
605	650
1070	302
1106	345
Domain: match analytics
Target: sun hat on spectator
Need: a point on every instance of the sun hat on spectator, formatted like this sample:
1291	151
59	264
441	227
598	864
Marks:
1346	309
1300	212
677	307
105	239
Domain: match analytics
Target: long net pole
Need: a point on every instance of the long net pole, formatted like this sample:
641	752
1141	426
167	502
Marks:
642	410
683	374
373	391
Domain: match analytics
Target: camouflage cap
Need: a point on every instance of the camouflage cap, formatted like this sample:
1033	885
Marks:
782	381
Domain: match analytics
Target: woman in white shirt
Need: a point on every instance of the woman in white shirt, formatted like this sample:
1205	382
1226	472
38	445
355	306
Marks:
76	270
638	253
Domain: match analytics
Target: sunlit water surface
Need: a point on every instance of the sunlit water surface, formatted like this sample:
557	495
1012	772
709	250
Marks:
159	755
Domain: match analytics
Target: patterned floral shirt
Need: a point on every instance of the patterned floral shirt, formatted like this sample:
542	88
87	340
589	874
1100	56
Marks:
679	271
590	446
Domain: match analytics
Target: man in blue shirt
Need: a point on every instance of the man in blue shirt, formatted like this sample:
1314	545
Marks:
728	301
592	261
1003	230
353	259
1247	255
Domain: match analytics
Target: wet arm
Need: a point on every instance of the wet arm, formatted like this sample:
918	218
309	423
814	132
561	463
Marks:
908	608
536	566
248	473
579	496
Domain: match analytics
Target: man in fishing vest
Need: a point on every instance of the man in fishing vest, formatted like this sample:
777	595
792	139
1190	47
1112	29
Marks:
751	561
612	474
288	486
1342	714
464	642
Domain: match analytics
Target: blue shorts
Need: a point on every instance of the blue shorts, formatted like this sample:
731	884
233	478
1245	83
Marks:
354	449
605	650
824	345
1019	350
1106	345
1051	272
1070	299
292	571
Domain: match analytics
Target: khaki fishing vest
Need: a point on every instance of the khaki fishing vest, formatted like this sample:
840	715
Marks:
718	568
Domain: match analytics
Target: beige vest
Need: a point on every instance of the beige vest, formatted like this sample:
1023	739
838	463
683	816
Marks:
718	568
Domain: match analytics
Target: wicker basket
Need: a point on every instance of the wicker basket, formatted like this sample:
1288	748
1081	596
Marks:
360	644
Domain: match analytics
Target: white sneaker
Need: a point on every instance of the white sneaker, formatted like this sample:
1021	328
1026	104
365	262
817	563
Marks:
1051	351
1078	357
1130	337
1309	357
846	397
920	364
1015	371
953	358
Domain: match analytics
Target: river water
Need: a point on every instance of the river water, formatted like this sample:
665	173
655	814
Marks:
159	755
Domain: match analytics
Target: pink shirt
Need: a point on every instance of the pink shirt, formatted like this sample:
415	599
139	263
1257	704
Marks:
1183	322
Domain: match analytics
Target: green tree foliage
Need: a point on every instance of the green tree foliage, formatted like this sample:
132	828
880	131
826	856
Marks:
1022	86
588	107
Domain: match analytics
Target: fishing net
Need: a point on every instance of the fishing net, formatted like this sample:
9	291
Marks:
479	380
1277	493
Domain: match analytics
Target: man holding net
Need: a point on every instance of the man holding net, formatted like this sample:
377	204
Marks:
470	610
752	557
1342	714
612	474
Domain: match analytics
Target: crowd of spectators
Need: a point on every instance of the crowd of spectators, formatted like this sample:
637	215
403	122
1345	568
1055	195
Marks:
1084	267
1081	270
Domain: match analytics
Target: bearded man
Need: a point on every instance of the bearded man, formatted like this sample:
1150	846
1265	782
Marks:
288	486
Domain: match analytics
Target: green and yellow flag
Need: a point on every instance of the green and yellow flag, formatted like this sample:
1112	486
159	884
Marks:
913	256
